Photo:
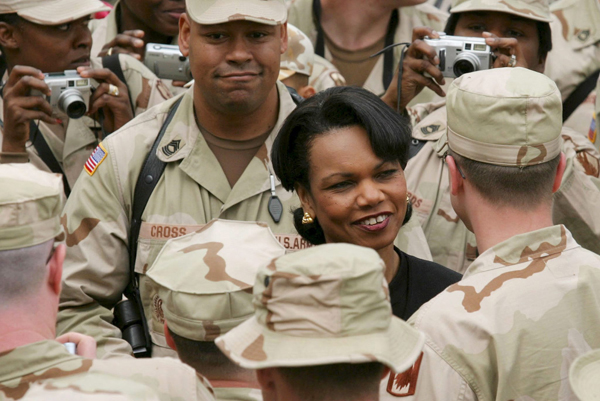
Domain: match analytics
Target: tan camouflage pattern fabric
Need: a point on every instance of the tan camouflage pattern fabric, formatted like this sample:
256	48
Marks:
30	205
237	394
323	305
209	12
22	367
584	376
511	328
300	14
299	56
531	9
74	140
451	244
522	104
51	12
89	386
204	280
186	198
325	75
576	38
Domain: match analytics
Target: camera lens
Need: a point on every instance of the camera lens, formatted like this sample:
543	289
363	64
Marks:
72	104
464	63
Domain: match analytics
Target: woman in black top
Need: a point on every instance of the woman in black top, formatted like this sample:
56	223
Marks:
344	151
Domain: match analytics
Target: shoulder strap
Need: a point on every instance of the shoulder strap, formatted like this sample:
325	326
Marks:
580	93
114	65
295	95
45	153
152	170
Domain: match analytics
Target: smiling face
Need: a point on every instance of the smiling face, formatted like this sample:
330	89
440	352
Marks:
357	197
161	16
236	64
50	48
504	25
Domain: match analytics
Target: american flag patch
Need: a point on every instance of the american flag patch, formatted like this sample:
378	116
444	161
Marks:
95	159
593	134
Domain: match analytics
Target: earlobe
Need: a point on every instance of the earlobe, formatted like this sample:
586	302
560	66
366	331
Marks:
456	181
55	266
184	35
305	200
284	38
560	171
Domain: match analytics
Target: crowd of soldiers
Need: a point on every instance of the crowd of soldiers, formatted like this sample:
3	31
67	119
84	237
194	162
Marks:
198	239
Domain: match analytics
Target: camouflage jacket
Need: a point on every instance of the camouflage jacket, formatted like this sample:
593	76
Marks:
73	143
300	14
237	394
509	330
451	244
192	191
106	29
575	37
23	366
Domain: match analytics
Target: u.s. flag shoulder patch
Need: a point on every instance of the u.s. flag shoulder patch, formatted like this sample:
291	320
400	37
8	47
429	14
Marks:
96	158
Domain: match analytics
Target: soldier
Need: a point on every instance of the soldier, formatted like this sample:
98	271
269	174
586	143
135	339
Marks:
348	32
527	306
30	283
215	268
54	42
576	38
297	63
584	376
452	245
323	328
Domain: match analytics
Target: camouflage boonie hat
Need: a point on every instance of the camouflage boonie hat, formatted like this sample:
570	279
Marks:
324	305
584	376
31	201
205	278
210	12
537	10
505	116
299	56
52	12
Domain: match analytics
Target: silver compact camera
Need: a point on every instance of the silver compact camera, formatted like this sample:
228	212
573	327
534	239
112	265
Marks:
167	62
70	93
460	54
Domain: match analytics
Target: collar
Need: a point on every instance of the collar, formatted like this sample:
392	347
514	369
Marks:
32	358
546	243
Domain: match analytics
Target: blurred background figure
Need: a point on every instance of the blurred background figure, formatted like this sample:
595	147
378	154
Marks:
297	63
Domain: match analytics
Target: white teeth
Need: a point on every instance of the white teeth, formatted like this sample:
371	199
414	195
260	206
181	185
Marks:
380	218
373	220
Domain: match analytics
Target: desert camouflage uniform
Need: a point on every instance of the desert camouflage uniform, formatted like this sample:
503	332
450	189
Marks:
81	135
23	366
524	310
192	191
584	376
300	14
237	394
593	130
325	75
576	38
90	386
451	244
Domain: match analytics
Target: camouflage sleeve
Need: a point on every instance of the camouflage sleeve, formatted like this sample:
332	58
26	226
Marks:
147	90
577	201
418	112
96	269
411	239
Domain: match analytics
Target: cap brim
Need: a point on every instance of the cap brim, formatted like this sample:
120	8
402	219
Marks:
54	13
263	12
498	6
252	346
284	74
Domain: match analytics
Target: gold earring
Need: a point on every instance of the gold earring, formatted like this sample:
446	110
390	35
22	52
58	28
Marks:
306	219
407	198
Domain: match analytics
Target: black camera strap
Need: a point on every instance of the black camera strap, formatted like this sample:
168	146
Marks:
579	95
114	65
45	153
388	57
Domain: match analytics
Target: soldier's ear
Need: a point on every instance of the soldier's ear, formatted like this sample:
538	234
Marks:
284	37
266	379
560	170
184	34
8	37
55	266
307	91
169	338
456	180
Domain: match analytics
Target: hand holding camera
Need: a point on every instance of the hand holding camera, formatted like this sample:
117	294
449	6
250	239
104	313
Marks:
128	42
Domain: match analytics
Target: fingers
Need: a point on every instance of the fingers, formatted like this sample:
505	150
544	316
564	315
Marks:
23	79
101	75
86	345
504	48
128	42
421	31
178	84
423	58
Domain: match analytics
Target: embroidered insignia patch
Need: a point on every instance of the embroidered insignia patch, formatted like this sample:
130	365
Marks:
171	148
593	134
583	35
405	384
96	158
430	129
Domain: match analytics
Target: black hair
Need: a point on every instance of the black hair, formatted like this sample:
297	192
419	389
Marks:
543	29
389	134
10	19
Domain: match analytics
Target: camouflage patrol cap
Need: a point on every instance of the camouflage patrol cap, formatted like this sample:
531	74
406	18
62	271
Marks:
584	376
52	12
299	56
505	116
30	205
324	305
537	10
210	12
205	278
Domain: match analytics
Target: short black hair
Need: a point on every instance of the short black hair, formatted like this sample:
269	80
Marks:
543	29
340	381
389	134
